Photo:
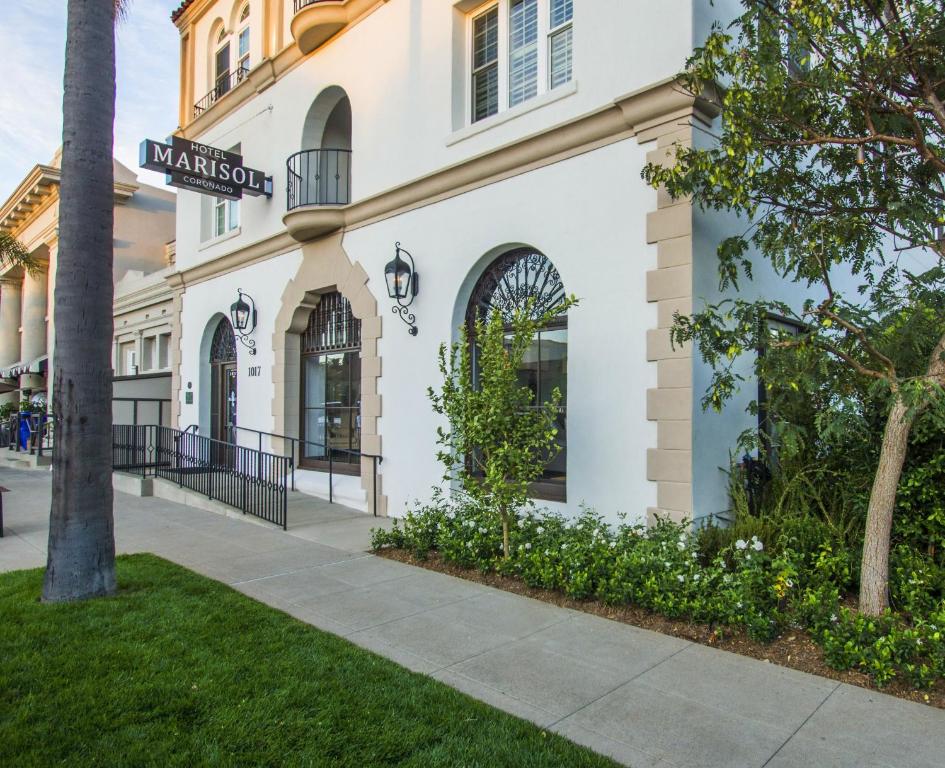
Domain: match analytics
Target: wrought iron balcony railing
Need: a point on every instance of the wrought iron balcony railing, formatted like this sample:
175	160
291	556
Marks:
300	4
225	84
319	177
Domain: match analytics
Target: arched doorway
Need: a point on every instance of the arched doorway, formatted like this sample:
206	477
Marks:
330	387
506	285
223	389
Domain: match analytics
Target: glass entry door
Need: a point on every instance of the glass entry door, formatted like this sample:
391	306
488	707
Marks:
331	388
332	410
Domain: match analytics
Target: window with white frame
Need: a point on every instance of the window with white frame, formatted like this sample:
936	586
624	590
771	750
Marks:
559	43
226	215
218	215
164	347
519	49
242	65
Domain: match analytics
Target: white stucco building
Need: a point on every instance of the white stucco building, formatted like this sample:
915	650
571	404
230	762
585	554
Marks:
500	143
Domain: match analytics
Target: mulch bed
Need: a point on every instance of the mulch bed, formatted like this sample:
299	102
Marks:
795	648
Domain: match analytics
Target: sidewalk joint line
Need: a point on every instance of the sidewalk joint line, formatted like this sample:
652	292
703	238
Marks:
621	685
796	730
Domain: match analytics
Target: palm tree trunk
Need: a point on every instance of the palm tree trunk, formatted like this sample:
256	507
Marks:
81	559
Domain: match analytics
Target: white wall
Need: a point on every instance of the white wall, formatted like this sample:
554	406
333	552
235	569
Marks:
203	304
587	215
396	66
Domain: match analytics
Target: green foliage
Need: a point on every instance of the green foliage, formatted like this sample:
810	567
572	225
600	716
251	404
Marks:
831	149
498	439
762	586
180	670
13	253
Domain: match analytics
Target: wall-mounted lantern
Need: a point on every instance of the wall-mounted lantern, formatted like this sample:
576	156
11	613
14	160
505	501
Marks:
403	284
243	318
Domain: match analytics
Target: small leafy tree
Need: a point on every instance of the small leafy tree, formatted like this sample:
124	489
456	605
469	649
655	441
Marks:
832	145
499	439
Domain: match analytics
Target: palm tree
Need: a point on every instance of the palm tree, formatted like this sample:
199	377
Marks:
81	553
13	253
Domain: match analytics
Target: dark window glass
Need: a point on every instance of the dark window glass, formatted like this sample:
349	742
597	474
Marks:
331	386
505	286
485	79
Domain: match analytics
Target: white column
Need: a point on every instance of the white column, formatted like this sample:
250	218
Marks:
10	288
33	322
51	319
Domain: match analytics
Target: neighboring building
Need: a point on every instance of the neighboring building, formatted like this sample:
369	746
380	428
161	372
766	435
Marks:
501	144
144	224
141	357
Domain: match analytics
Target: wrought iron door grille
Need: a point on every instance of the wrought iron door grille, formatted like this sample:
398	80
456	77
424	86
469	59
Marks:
331	326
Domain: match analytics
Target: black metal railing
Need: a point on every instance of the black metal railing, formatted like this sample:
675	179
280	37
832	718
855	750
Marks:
224	84
318	177
296	445
247	479
32	433
300	4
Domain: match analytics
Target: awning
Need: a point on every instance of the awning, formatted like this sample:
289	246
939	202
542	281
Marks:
8	386
12	371
39	365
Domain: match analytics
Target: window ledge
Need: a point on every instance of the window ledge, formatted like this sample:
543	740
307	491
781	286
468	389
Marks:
561	92
219	239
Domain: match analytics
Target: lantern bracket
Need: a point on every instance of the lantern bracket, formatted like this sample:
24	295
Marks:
243	319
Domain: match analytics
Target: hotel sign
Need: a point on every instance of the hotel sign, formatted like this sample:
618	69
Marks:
202	168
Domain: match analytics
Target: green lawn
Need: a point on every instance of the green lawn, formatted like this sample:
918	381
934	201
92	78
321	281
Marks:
181	670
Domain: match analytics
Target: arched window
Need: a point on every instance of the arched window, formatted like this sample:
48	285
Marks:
244	14
331	387
507	285
223	346
223	382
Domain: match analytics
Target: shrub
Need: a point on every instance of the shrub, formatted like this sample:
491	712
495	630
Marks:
798	578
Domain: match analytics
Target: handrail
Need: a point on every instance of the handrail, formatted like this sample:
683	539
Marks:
40	426
318	177
375	459
249	480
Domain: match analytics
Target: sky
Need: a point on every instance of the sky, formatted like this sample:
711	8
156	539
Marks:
32	56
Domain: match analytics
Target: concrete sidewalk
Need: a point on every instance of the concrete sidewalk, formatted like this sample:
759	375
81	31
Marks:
643	698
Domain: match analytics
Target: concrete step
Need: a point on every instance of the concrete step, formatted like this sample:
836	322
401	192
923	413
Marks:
16	460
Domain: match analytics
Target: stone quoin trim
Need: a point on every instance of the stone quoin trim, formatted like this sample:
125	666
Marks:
325	266
670	287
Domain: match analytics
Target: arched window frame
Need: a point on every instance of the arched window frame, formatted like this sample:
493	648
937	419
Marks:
223	345
506	285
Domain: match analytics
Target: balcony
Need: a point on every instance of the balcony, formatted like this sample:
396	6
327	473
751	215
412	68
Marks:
317	21
318	188
225	84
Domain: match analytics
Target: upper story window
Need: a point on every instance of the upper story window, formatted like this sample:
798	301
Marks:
222	65
243	42
519	49
226	215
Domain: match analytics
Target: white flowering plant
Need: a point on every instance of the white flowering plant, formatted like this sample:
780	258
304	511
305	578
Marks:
797	579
